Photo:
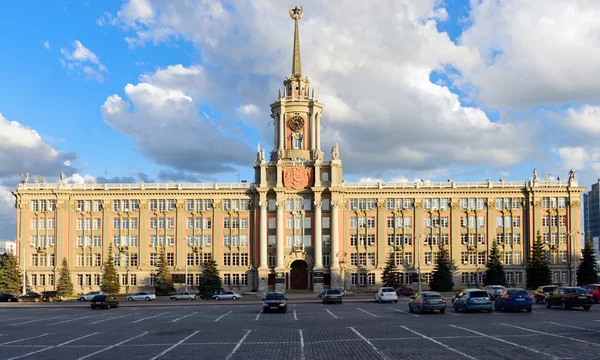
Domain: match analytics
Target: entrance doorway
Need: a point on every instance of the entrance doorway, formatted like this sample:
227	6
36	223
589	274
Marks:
299	275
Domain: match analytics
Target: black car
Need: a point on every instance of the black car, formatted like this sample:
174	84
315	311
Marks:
275	301
31	296
9	298
543	291
51	296
568	297
104	302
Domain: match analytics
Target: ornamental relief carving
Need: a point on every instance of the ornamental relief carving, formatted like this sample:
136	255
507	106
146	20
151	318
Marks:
299	256
491	204
161	231
508	230
436	230
60	207
72	206
143	207
197	231
575	203
362	231
88	232
217	205
180	206
472	231
124	232
418	205
41	232
381	205
537	204
454	206
24	206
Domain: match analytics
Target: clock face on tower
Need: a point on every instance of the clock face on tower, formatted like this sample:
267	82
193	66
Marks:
296	123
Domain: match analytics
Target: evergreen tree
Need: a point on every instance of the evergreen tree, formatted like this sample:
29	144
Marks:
538	271
389	276
209	280
10	275
441	279
586	273
163	285
110	279
494	275
64	286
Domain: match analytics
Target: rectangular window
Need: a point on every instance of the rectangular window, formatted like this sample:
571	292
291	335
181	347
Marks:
272	223
153	259
227	279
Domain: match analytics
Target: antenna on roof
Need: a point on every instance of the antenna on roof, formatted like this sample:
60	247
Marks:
105	173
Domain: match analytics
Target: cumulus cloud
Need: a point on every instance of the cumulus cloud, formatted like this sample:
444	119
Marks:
82	60
80	179
47	44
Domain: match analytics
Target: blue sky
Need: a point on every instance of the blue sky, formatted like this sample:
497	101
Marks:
413	90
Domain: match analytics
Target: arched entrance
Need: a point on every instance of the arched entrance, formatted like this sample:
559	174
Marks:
299	275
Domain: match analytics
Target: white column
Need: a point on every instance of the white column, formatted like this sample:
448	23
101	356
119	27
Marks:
318	131
263	236
280	235
318	237
313	131
335	246
281	130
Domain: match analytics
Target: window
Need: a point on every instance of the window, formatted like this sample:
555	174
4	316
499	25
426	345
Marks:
170	259
272	223
227	279
153	259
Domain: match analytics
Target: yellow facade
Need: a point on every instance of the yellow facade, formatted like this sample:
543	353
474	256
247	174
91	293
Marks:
299	226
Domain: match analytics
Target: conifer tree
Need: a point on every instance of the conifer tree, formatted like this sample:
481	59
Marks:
209	280
538	271
163	285
586	272
494	275
389	276
64	286
10	275
110	279
442	279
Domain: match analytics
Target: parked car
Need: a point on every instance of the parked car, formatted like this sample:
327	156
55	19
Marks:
89	296
104	301
494	290
594	291
332	295
543	291
141	296
386	294
275	301
51	296
31	296
568	297
9	298
320	294
513	298
427	301
473	299
183	296
404	291
211	295
227	295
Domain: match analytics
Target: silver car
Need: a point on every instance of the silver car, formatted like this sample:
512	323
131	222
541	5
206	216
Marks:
141	296
227	295
473	299
494	290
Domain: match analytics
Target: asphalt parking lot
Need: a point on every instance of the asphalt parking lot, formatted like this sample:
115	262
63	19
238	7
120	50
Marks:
353	330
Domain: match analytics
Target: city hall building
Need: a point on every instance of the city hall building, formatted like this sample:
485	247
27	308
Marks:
299	226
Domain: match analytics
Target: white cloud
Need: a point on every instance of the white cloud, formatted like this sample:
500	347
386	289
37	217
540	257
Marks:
80	179
82	59
586	119
46	44
8	220
248	109
574	158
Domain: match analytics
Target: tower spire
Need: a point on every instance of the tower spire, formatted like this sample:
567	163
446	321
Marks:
296	14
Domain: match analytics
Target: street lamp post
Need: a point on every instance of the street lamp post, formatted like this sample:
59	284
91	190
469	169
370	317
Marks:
419	261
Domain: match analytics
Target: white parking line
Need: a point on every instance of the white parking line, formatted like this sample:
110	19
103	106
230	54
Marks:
379	352
366	312
237	346
118	317
222	316
404	312
112	346
574	327
295	315
27	338
440	343
175	345
149	317
302	355
553	335
35	320
330	313
183	317
258	315
76	319
507	342
51	347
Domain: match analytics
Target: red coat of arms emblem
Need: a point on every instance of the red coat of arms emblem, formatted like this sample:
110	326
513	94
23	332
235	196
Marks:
297	177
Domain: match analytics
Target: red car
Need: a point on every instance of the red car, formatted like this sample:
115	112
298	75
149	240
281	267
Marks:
404	291
594	290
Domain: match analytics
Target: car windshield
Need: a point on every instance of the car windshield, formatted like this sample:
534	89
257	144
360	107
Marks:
576	291
99	298
388	290
333	292
548	288
478	294
275	297
428	296
517	292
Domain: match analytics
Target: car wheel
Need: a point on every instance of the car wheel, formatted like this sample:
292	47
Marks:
285	310
129	299
547	303
497	306
107	306
528	310
564	305
442	311
410	309
147	298
419	310
36	300
217	298
586	308
396	301
234	298
455	308
51	299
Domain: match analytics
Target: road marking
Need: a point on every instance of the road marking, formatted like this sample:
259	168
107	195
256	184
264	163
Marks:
404	312
183	317
506	342
27	338
51	347
554	335
35	320
149	317
112	346
440	343
241	306
574	327
302	356
330	313
175	345
379	352
118	317
366	312
295	316
222	316
66	321
294	305
258	315
237	346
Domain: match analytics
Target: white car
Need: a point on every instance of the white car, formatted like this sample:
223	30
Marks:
141	296
227	295
89	296
386	294
183	296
